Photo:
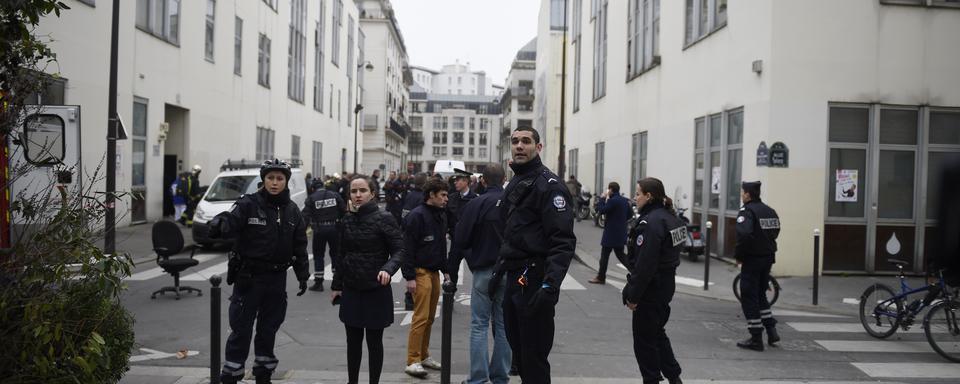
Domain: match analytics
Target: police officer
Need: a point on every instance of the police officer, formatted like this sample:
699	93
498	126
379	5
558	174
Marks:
270	237
654	245
459	197
414	195
757	229
538	245
323	211
188	188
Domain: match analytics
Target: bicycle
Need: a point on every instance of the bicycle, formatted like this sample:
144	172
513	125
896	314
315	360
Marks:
941	326
882	311
773	289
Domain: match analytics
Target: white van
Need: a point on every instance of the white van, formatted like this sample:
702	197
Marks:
227	187
445	167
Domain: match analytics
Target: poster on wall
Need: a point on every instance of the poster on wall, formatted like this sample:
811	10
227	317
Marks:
847	185
715	181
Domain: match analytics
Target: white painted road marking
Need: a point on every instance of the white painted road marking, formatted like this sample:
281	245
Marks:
910	370
690	281
787	312
153	354
157	272
840	328
891	346
851	301
571	284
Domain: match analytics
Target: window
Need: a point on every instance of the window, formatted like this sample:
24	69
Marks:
470	151
208	37
351	69
573	162
295	149
297	49
483	153
437	108
600	50
318	62
642	36
473	123
439	138
557	17
577	38
458	151
272	4
703	17
160	18
263	63
318	170
638	163
445	120
471	137
265	138
931	3
436	151
416	123
734	148
337	24
437	123
458	137
458	122
598	169
483	138
139	141
52	93
237	44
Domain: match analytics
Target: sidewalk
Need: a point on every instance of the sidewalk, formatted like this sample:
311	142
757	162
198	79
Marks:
136	240
796	292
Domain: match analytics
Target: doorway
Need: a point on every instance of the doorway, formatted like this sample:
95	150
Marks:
883	172
175	150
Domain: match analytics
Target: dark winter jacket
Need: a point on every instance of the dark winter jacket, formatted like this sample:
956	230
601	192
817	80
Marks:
370	242
479	231
654	249
758	227
618	212
270	233
425	240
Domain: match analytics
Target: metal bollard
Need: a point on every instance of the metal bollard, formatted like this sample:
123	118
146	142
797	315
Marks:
449	288
215	329
816	266
706	257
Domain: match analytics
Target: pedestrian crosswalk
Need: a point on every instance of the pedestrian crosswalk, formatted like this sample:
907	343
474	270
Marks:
873	357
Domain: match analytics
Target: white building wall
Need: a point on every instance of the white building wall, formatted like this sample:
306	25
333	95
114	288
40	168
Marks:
813	53
223	109
547	85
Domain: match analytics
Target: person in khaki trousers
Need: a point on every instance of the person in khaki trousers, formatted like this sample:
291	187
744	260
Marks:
425	229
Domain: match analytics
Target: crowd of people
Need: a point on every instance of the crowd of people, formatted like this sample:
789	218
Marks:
517	240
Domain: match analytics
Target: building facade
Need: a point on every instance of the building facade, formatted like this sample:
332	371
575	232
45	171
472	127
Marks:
548	76
385	123
454	79
518	97
846	123
454	127
201	82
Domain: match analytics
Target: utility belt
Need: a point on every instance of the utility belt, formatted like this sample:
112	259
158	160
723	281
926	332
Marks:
517	264
325	223
259	267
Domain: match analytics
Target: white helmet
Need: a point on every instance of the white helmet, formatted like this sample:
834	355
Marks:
196	168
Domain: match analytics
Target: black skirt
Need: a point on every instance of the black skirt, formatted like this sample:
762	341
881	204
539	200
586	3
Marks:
367	309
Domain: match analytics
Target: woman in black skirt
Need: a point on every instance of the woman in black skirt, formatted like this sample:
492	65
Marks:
371	251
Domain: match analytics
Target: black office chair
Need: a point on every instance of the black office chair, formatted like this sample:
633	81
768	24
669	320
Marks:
167	242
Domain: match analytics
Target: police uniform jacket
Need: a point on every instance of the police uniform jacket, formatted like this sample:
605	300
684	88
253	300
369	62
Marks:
323	207
537	217
413	199
757	229
425	240
478	232
370	242
270	233
654	249
455	206
618	211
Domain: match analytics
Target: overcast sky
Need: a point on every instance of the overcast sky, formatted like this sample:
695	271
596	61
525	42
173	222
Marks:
486	33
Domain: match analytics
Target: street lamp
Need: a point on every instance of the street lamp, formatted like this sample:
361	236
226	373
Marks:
368	66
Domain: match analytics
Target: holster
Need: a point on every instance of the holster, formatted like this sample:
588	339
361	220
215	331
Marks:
234	266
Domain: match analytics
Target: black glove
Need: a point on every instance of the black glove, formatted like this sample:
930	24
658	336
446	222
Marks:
544	297
214	225
303	287
233	268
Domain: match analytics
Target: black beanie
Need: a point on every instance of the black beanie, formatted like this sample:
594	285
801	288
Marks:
752	188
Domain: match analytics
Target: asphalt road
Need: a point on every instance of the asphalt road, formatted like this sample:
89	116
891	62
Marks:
593	339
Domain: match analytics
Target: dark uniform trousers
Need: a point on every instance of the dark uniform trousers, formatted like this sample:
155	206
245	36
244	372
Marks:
529	334
262	298
754	275
651	345
324	234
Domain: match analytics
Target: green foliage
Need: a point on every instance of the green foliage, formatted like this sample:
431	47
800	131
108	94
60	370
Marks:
61	320
23	54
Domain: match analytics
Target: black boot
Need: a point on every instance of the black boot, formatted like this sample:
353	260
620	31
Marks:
317	285
264	379
674	380
230	379
755	342
772	336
